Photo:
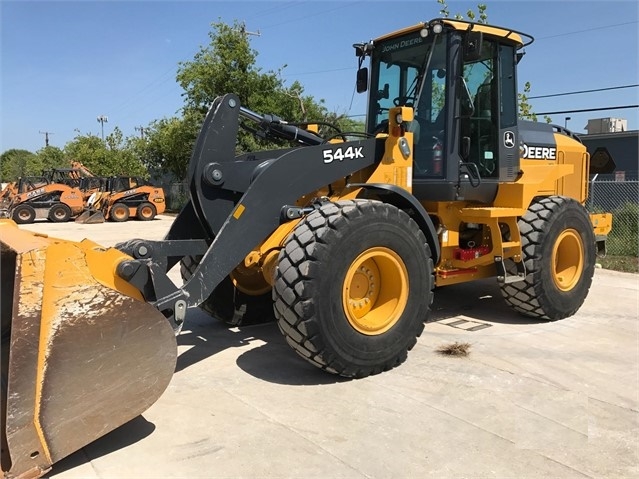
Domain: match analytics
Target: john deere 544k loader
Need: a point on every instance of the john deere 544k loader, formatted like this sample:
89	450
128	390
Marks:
343	240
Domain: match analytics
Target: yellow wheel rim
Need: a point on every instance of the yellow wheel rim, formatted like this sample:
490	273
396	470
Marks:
567	260
146	212
119	212
375	291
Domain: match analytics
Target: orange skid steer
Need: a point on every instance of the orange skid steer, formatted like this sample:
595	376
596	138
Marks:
340	238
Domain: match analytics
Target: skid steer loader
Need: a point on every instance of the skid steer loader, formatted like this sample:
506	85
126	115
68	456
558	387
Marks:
342	239
37	197
124	197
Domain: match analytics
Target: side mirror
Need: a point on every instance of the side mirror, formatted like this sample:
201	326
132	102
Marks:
472	46
385	93
362	80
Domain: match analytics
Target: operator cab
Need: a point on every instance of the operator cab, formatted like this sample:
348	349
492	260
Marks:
460	79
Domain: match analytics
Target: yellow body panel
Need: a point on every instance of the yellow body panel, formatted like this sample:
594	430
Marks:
602	223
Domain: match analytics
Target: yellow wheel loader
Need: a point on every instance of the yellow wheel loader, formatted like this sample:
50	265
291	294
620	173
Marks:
341	239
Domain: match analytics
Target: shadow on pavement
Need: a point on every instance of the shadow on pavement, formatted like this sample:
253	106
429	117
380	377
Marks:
480	300
274	361
133	431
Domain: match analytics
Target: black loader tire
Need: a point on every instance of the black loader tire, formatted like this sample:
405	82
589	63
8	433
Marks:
342	268
558	245
228	304
119	213
59	213
23	214
146	211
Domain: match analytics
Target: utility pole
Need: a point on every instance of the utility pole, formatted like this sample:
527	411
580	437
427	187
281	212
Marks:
102	120
245	32
46	137
141	130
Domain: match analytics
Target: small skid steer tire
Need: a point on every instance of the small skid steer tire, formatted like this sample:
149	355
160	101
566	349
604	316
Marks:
146	211
59	213
353	287
119	213
228	304
558	245
23	214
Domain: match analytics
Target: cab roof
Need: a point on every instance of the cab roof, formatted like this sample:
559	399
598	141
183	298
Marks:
518	38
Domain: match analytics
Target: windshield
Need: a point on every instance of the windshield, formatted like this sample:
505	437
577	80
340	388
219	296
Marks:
401	69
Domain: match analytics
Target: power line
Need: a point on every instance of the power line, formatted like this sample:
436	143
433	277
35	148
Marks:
312	15
588	109
320	71
583	91
588	30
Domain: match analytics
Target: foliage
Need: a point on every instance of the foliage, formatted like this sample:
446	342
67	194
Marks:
228	64
51	157
15	163
113	156
626	264
481	15
169	143
525	108
623	240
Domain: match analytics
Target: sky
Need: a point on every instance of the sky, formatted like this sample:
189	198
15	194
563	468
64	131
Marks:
64	64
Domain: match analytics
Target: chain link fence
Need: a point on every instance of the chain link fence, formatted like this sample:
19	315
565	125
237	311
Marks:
621	198
176	195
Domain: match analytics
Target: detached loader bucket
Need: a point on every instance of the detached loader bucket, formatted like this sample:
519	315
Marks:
82	353
90	217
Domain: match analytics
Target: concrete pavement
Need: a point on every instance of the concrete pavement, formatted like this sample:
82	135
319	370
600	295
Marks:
531	400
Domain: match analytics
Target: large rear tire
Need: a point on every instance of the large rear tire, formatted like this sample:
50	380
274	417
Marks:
229	304
23	214
558	243
353	287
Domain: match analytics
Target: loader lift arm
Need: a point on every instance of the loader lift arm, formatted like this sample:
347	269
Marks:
235	204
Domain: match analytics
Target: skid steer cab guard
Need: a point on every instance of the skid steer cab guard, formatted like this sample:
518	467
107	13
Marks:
82	352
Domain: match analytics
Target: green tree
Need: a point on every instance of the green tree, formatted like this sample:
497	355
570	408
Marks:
169	143
51	157
227	64
113	156
15	163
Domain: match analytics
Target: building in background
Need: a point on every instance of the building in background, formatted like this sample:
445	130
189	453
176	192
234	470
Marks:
606	125
623	145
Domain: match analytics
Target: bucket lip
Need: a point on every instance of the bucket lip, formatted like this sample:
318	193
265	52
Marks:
20	241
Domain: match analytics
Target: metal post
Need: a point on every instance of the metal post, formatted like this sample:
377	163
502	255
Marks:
102	120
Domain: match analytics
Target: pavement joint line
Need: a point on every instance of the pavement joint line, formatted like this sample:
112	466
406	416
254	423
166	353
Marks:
551	419
448	413
603	401
298	433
